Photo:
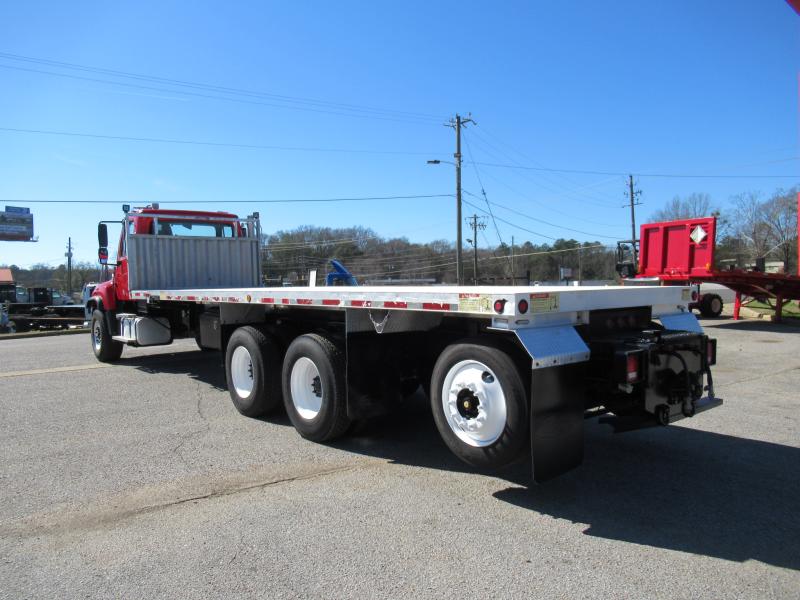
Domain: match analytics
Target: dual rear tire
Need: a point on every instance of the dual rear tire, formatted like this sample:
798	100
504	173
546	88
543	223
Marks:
308	381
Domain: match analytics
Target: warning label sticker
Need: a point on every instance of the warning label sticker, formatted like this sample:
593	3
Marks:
474	303
544	302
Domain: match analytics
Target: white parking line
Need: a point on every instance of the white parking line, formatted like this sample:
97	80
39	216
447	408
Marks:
54	370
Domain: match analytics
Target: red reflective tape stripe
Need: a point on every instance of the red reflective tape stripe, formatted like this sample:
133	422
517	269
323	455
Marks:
326	302
358	303
284	301
395	305
191	298
435	306
268	300
305	301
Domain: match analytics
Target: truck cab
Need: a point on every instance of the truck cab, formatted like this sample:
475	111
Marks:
165	229
164	249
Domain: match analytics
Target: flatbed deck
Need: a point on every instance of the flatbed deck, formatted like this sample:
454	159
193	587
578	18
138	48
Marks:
543	302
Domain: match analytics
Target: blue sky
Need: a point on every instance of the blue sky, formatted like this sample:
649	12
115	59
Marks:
642	87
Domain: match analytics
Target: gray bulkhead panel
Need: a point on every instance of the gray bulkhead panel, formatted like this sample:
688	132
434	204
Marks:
166	262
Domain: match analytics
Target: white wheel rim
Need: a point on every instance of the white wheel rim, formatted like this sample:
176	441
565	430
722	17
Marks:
716	305
306	388
467	382
242	372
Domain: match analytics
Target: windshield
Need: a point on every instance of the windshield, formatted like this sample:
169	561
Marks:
189	229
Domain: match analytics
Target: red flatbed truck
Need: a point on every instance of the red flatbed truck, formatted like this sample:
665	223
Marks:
508	370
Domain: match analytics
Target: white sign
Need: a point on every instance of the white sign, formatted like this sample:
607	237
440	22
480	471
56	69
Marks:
698	234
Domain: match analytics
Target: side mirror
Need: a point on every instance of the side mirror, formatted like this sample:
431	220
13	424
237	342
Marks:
102	255
102	236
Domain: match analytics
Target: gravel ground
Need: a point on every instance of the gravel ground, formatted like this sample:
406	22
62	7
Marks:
141	480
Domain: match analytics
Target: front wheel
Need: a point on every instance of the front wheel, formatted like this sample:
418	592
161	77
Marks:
104	348
479	404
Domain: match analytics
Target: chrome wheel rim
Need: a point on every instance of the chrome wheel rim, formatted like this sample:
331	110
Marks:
97	336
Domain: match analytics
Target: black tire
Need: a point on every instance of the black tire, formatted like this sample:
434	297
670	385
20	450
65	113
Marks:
503	371
330	420
262	374
105	349
714	305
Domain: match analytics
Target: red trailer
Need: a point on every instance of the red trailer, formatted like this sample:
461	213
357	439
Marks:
682	252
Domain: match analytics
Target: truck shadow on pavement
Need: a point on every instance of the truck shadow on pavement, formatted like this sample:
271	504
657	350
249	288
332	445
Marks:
200	366
681	489
667	487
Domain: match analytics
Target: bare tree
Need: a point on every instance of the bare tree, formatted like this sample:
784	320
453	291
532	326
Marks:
749	225
780	219
689	207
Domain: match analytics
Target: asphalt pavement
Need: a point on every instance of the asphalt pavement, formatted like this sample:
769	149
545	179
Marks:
140	480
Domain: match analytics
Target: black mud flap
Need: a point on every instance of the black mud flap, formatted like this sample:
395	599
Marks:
557	408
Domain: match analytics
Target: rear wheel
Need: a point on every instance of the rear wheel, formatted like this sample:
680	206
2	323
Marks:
314	391
104	348
252	369
479	404
711	305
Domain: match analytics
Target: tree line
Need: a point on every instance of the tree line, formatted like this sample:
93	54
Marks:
44	275
289	256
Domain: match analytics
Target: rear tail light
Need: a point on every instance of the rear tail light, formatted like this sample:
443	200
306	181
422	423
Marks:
628	366
632	368
499	306
522	306
711	351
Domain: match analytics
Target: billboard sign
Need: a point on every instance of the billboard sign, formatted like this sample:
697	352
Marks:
16	224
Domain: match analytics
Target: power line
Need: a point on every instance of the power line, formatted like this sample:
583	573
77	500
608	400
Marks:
271	201
213	144
215	97
620	173
537	253
566	185
213	87
476	207
546	206
522	214
483	190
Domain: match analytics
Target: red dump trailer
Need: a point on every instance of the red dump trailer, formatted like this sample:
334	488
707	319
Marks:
682	253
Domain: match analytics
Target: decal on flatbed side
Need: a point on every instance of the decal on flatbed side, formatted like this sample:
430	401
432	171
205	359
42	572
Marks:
474	303
544	302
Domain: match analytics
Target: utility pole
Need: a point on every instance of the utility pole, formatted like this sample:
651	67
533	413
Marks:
632	203
68	254
513	273
477	223
457	124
